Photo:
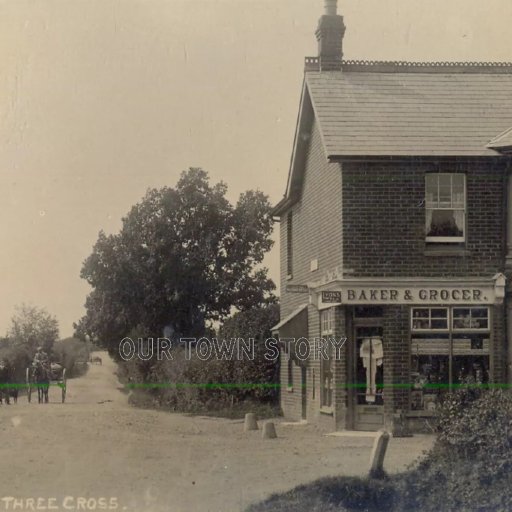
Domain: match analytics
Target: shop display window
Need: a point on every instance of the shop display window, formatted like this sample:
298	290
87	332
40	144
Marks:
450	348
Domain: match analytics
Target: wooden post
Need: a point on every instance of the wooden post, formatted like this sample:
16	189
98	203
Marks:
380	446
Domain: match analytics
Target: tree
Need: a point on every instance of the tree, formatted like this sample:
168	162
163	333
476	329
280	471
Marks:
32	326
184	257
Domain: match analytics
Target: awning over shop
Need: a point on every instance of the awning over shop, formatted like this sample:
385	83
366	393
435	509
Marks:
295	325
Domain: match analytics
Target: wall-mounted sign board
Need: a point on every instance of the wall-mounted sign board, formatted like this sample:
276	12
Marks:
297	288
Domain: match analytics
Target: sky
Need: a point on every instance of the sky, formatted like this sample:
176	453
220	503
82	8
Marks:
102	99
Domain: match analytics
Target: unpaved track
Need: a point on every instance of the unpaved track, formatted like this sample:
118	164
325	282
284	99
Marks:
96	445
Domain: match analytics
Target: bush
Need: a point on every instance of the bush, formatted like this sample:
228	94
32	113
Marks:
339	494
194	385
468	469
478	426
470	463
70	353
258	378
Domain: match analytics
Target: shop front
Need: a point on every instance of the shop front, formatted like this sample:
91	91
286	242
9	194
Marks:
410	341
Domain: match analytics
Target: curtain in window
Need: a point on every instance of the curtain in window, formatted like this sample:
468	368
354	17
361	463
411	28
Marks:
459	219
429	221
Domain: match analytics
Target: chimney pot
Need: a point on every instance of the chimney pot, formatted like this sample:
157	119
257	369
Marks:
330	7
329	35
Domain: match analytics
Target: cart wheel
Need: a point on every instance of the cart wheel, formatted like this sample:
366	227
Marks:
63	385
27	380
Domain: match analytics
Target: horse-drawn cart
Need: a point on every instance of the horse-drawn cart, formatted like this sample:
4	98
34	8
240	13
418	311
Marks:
41	377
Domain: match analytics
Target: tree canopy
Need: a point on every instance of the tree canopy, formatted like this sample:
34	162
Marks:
185	256
32	326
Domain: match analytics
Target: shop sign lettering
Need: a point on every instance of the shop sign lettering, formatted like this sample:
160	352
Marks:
403	295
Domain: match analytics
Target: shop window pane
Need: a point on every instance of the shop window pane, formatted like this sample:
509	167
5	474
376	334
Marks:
470	318
430	318
479	323
430	379
439	324
420	324
462	323
327	321
470	370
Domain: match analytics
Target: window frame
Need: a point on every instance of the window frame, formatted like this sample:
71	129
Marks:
429	318
447	239
327	329
471	329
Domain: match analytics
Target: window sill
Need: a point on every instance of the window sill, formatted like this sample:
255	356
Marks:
421	414
289	389
327	410
289	277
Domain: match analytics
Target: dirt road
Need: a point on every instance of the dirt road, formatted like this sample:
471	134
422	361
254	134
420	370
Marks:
96	446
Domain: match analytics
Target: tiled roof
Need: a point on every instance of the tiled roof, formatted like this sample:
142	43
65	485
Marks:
412	109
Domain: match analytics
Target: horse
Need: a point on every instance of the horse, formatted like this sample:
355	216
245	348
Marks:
41	378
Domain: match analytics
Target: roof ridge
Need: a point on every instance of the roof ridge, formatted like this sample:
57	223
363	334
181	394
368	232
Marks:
362	62
404	66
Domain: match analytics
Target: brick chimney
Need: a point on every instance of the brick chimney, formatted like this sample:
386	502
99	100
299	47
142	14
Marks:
329	35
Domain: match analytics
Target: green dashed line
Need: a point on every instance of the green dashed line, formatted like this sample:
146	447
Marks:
181	385
32	385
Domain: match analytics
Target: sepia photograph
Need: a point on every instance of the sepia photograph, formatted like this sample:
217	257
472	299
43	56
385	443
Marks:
256	255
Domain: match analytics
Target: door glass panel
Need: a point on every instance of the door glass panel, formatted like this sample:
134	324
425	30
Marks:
369	366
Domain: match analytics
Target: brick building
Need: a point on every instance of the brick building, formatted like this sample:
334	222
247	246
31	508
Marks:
394	230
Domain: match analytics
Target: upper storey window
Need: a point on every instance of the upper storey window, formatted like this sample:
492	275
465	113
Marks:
445	203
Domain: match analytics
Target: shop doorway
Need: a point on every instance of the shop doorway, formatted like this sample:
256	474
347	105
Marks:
368	375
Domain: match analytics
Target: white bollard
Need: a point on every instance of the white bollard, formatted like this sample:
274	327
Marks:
269	430
250	422
380	446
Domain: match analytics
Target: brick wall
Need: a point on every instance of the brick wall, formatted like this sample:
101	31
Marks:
340	398
397	359
384	220
316	235
317	230
499	345
383	235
